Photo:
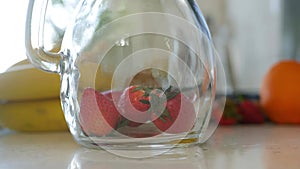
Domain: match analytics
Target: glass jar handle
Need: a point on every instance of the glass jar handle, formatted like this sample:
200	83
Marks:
34	39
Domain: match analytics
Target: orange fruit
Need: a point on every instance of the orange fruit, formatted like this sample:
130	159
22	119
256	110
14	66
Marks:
280	92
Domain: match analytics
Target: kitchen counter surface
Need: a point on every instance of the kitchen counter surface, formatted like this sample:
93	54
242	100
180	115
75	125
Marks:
238	147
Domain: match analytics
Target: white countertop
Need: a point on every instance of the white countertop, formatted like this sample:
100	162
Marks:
238	147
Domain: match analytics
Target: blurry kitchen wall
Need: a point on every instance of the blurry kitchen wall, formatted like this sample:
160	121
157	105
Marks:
247	34
291	30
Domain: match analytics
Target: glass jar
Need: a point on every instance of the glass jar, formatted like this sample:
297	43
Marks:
135	74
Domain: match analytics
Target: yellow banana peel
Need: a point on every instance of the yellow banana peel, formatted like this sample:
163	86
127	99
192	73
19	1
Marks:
30	100
33	116
23	82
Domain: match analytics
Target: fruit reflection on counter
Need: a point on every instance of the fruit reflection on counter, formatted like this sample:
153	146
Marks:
30	99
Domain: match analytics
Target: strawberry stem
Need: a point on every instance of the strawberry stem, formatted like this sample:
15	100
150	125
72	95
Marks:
145	101
162	118
137	89
122	123
171	95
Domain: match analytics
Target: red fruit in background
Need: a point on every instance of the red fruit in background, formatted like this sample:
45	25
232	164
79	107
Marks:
98	115
250	112
230	114
179	115
134	105
280	91
228	121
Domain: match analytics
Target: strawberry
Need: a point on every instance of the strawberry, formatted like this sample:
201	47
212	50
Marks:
250	112
98	115
179	114
134	105
122	121
228	121
139	97
230	115
110	94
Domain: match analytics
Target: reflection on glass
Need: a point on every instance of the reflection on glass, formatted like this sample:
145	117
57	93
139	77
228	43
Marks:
59	13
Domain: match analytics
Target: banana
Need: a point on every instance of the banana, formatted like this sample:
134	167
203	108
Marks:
30	99
24	82
33	116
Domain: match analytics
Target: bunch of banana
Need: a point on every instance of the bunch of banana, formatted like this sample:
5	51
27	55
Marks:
29	99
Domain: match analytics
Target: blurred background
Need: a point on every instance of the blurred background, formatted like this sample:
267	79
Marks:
250	36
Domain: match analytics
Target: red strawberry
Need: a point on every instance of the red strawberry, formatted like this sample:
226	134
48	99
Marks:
230	115
139	97
133	124
110	94
122	121
179	115
134	105
98	115
228	121
250	112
